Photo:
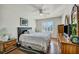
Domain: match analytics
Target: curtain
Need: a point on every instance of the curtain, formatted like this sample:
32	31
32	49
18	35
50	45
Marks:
49	24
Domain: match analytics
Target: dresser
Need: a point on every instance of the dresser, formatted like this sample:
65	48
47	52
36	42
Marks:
66	46
7	46
61	28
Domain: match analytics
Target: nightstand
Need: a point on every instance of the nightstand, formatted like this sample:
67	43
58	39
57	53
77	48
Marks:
7	46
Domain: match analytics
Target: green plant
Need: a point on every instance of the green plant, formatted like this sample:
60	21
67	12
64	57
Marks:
73	29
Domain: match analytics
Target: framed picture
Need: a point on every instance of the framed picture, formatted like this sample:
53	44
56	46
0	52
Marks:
23	22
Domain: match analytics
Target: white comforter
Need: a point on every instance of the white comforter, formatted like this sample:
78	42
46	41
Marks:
38	41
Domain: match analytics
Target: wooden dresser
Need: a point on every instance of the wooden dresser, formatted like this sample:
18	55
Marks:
61	28
67	47
7	46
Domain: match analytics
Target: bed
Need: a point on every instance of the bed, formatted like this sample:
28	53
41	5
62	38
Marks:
36	40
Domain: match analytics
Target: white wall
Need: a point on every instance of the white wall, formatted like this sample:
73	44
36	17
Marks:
0	16
10	17
67	11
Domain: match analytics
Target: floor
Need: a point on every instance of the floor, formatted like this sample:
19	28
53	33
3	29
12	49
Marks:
54	48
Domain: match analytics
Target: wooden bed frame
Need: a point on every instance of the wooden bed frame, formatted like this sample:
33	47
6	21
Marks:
21	29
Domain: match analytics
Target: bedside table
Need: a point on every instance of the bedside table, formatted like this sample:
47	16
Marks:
7	46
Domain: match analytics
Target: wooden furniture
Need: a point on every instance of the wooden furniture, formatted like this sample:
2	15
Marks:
61	28
66	46
20	30
7	46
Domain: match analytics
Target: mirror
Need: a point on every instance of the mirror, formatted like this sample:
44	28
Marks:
66	20
74	20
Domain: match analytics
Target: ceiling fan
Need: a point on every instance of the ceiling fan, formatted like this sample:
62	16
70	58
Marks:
40	9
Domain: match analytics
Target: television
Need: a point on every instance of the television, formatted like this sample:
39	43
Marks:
70	29
66	29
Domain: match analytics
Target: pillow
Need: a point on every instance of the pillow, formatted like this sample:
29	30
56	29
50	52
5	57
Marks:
6	37
30	31
26	32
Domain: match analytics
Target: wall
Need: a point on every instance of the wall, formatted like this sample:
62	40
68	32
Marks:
10	17
67	11
0	16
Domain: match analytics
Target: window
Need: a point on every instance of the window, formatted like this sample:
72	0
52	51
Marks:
47	26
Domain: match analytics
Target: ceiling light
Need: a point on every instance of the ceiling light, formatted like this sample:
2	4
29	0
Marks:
41	14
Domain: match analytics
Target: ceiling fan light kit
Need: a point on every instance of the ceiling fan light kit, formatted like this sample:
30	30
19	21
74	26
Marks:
41	10
41	14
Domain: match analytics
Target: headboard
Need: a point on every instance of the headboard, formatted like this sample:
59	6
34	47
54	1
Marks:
21	29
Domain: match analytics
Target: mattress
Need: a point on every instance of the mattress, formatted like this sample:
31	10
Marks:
37	41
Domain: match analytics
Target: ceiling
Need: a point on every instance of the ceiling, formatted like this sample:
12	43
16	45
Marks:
46	7
49	8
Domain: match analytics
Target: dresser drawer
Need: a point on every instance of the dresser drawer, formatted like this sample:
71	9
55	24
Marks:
10	43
